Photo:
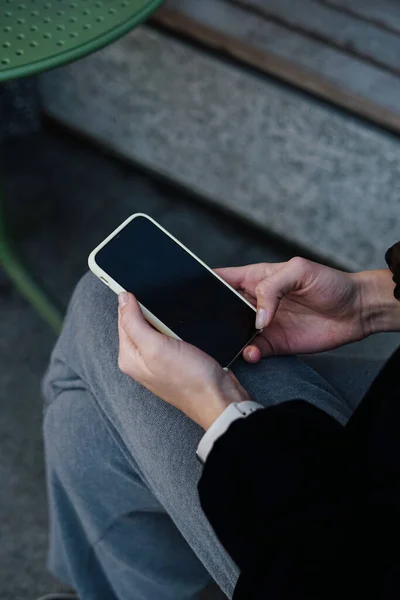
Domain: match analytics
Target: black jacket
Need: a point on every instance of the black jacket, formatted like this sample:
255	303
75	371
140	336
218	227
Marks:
309	509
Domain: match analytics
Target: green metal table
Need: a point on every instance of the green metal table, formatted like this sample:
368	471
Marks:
36	35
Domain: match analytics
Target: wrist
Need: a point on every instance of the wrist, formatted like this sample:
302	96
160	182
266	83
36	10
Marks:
211	411
225	389
380	311
228	392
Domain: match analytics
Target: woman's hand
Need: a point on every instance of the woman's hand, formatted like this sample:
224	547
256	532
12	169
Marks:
177	372
305	307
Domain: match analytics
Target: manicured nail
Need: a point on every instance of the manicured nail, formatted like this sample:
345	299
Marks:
123	299
261	318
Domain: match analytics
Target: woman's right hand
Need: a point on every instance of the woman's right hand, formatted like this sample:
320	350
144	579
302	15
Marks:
305	307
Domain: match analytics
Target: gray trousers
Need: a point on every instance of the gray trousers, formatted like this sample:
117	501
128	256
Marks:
125	517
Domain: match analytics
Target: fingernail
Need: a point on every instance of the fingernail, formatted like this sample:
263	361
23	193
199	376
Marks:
251	354
123	299
261	318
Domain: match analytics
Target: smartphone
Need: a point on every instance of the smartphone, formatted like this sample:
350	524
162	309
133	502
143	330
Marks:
179	294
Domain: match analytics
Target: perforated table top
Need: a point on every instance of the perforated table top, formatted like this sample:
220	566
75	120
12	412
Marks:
36	35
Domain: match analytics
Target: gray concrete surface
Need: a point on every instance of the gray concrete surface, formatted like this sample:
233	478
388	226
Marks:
248	23
287	163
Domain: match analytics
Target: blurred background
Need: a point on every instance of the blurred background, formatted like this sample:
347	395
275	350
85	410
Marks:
253	130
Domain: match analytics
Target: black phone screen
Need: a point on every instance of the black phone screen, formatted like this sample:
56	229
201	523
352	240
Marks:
178	290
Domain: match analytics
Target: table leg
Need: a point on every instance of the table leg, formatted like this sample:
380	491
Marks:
22	279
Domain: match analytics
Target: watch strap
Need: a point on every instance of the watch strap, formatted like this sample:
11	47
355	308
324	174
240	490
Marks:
237	410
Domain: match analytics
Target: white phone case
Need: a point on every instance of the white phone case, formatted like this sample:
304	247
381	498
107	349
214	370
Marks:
117	288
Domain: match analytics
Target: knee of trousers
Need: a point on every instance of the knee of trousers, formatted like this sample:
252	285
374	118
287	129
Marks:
89	477
89	339
73	440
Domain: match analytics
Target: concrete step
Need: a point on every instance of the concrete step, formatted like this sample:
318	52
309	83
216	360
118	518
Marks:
340	53
281	160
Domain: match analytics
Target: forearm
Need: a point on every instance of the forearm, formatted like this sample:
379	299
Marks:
274	483
380	311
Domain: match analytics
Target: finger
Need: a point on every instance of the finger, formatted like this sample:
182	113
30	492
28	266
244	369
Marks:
270	291
259	348
128	353
247	277
252	354
250	297
233	275
134	326
124	340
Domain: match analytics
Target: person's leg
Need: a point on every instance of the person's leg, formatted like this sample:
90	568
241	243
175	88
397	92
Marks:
350	375
158	445
110	538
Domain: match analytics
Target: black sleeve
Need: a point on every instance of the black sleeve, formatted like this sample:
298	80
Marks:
279	491
374	435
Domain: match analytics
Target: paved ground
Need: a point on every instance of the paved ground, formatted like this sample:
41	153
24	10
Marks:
64	197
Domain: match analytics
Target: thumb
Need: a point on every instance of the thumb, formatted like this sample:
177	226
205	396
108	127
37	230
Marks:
270	291
132	323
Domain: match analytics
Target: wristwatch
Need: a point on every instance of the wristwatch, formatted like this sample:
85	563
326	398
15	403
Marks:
238	410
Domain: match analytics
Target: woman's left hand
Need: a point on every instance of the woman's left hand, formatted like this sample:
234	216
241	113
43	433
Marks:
173	370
